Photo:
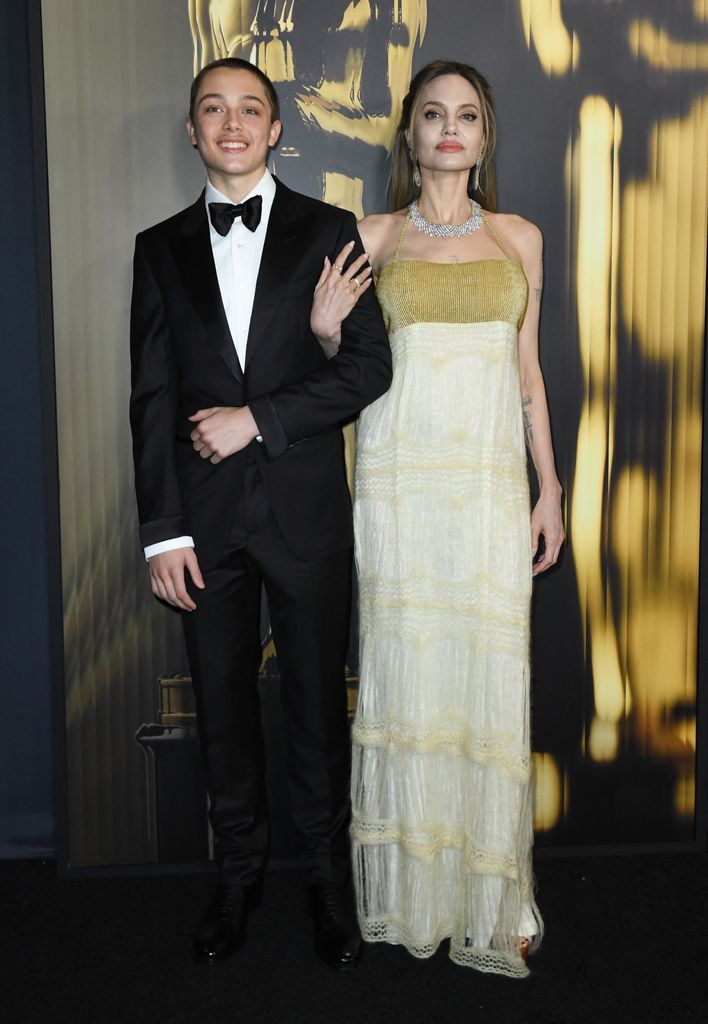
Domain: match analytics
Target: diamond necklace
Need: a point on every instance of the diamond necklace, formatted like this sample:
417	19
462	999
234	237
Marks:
446	230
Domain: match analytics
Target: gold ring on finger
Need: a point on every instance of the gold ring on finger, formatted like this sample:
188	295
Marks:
335	266
356	282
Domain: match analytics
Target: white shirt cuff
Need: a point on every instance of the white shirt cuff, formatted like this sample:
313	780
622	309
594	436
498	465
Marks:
168	545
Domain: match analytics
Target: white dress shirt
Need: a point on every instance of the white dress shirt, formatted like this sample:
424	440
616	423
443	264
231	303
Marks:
237	258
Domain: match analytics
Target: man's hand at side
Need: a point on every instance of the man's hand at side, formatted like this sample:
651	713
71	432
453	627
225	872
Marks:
167	577
221	432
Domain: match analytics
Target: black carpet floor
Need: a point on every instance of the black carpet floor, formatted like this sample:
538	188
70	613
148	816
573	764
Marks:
626	940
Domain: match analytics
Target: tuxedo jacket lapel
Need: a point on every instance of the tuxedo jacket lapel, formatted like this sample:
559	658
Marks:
195	261
281	253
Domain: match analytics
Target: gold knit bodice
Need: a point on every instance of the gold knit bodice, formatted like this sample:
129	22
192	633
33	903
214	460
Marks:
480	291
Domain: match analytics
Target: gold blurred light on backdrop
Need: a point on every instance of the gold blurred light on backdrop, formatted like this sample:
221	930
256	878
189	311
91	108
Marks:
556	47
595	187
272	50
547	793
685	794
634	528
657	47
220	28
654	243
348	188
357	16
603	741
663	268
336	106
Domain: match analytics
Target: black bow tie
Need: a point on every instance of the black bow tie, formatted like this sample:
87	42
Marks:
224	214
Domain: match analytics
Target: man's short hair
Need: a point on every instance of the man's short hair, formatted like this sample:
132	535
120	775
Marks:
238	65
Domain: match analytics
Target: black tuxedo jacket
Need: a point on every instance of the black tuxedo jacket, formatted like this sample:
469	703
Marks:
183	359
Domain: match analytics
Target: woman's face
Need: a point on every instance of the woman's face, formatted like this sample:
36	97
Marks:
447	133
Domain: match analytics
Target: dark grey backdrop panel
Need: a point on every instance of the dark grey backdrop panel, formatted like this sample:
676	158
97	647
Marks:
26	771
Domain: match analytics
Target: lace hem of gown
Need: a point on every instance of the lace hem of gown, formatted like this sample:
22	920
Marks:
490	961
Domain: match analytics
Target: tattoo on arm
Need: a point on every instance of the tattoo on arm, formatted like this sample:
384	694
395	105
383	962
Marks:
528	426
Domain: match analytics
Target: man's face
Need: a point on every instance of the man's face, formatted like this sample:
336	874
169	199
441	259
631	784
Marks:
232	129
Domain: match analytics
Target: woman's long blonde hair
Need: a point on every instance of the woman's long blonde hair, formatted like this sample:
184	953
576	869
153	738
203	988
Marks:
402	189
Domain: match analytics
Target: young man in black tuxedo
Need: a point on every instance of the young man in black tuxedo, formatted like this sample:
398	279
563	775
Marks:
236	414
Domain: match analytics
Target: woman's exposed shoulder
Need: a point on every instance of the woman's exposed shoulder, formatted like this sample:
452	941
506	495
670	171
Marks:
522	237
379	233
378	225
520	232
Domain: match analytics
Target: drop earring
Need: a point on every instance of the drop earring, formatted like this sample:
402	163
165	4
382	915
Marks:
416	169
475	176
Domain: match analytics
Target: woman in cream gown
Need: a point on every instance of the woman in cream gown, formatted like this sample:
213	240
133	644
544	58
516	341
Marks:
441	786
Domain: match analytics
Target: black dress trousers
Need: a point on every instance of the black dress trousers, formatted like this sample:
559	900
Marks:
309	613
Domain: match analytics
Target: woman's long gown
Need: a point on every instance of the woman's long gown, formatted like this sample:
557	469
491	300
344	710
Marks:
441	787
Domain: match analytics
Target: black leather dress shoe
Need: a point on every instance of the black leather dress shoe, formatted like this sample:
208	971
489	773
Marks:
337	938
222	930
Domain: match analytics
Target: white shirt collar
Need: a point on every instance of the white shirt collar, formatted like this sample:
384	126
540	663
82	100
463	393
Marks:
265	188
